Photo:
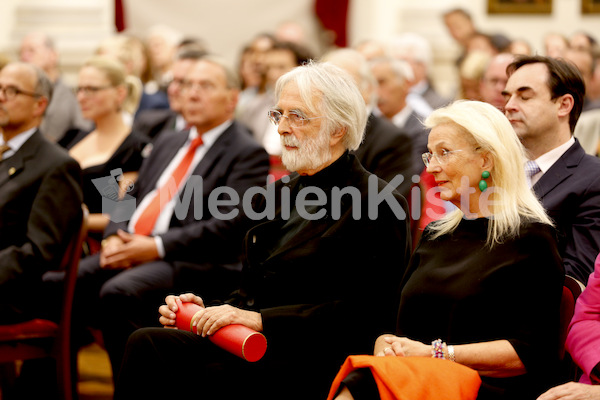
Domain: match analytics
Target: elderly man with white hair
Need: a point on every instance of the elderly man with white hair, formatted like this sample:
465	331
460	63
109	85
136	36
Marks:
320	274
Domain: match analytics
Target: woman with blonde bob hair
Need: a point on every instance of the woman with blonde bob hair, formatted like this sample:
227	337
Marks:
484	284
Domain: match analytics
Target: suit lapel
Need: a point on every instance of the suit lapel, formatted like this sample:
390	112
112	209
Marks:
214	153
162	160
14	165
560	170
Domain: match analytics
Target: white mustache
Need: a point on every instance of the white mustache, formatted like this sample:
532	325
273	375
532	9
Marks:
289	140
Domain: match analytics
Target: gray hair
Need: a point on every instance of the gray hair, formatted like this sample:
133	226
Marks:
401	68
231	77
514	201
43	86
340	102
412	46
353	61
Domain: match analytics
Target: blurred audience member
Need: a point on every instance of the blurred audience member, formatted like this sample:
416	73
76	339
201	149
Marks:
63	112
385	151
491	86
471	72
587	131
281	58
482	42
103	92
416	50
544	99
520	47
371	49
253	71
162	42
153	123
41	194
133	54
393	77
555	45
582	41
584	61
460	25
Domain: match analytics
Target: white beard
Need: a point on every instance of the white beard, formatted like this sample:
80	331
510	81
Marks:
310	154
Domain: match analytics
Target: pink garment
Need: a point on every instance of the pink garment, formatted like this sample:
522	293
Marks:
583	340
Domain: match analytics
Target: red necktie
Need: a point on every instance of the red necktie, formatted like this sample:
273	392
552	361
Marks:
147	220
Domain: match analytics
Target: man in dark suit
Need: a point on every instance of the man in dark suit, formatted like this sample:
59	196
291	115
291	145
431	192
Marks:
416	50
153	122
40	192
320	275
386	151
544	100
393	77
176	232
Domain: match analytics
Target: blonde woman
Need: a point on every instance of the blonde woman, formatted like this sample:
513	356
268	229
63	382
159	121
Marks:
106	94
484	284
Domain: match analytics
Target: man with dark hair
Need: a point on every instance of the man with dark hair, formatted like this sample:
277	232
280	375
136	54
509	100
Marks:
40	186
544	100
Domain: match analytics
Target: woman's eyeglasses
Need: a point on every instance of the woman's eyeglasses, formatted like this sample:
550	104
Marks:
442	158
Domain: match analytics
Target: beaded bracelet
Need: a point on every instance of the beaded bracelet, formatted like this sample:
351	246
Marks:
437	350
451	353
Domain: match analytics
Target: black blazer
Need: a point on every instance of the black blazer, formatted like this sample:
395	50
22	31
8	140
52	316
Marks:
235	160
152	122
332	288
570	192
40	207
386	152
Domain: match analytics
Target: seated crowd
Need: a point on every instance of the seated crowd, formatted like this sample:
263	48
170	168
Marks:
370	228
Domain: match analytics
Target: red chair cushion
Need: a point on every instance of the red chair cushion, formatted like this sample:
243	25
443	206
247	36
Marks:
34	329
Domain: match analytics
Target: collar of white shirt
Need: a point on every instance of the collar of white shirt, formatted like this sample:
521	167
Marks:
16	142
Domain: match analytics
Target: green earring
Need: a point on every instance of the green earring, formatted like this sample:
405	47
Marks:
483	184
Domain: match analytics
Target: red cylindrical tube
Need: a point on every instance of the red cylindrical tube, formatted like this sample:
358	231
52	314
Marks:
236	339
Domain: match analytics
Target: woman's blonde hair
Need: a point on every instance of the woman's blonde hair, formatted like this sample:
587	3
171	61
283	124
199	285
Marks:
513	200
116	75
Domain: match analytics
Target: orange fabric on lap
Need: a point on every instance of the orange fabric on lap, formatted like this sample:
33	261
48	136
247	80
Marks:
405	378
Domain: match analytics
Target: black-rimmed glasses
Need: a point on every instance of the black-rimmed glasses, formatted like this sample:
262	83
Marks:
10	92
91	90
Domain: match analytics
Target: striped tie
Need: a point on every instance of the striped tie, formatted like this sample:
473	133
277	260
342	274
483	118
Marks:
531	168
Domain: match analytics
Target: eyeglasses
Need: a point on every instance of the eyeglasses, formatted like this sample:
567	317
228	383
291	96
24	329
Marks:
91	90
10	92
442	158
294	119
203	86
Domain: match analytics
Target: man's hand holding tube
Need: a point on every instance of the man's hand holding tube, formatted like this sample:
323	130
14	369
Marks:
168	311
210	319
